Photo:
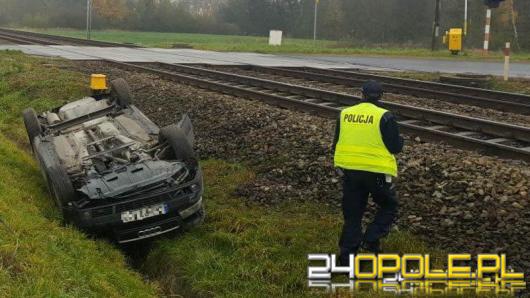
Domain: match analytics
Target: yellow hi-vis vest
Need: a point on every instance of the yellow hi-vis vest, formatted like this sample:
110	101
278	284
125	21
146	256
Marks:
360	145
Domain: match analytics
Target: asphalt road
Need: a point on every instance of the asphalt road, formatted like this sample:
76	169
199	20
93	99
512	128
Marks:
322	61
427	65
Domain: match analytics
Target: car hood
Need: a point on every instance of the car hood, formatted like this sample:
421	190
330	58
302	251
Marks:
132	177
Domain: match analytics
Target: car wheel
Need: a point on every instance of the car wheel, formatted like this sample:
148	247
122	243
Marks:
121	92
33	127
181	148
59	184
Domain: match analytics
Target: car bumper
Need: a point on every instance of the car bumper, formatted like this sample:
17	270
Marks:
183	208
188	217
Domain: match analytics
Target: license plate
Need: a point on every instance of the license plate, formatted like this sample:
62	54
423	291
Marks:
143	213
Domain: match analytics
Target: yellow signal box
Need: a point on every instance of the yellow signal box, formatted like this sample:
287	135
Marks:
455	40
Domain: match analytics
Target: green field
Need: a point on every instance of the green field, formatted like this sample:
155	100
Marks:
242	250
260	44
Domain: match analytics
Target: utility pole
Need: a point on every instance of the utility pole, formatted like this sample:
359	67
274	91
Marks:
436	25
465	17
88	19
315	21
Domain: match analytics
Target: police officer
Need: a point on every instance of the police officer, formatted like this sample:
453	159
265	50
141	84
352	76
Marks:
366	139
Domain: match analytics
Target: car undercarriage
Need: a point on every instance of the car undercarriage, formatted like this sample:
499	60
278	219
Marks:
112	170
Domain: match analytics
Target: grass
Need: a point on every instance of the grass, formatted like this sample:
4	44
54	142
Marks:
246	250
242	250
235	43
38	255
37	83
513	85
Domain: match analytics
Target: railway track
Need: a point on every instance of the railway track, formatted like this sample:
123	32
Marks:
20	39
502	101
489	137
438	87
25	37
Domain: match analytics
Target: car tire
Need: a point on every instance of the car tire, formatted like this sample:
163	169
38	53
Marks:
120	92
59	184
182	150
33	127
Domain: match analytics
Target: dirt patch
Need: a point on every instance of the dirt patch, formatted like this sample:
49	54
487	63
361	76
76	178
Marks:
10	263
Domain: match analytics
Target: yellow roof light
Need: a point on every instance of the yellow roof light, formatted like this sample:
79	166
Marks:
98	82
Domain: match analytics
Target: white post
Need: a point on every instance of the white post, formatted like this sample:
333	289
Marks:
465	17
315	21
507	62
487	31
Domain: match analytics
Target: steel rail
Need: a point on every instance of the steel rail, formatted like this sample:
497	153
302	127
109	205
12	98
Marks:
449	92
485	126
448	88
58	40
24	40
490	137
320	75
15	40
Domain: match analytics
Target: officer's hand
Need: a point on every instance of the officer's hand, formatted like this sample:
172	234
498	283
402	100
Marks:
339	172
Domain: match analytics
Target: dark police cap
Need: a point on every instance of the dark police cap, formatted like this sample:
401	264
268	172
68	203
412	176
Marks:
372	89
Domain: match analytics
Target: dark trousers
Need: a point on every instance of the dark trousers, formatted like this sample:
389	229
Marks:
357	186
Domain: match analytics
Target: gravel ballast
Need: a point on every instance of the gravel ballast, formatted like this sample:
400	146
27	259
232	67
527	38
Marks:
454	199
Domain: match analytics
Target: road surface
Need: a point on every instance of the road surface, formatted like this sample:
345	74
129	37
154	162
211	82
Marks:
426	65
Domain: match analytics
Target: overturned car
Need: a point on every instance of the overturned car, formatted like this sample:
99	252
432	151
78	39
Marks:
112	170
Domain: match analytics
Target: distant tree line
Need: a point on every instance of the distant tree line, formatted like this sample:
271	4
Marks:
357	22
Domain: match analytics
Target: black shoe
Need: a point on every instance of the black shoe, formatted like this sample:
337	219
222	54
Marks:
373	246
